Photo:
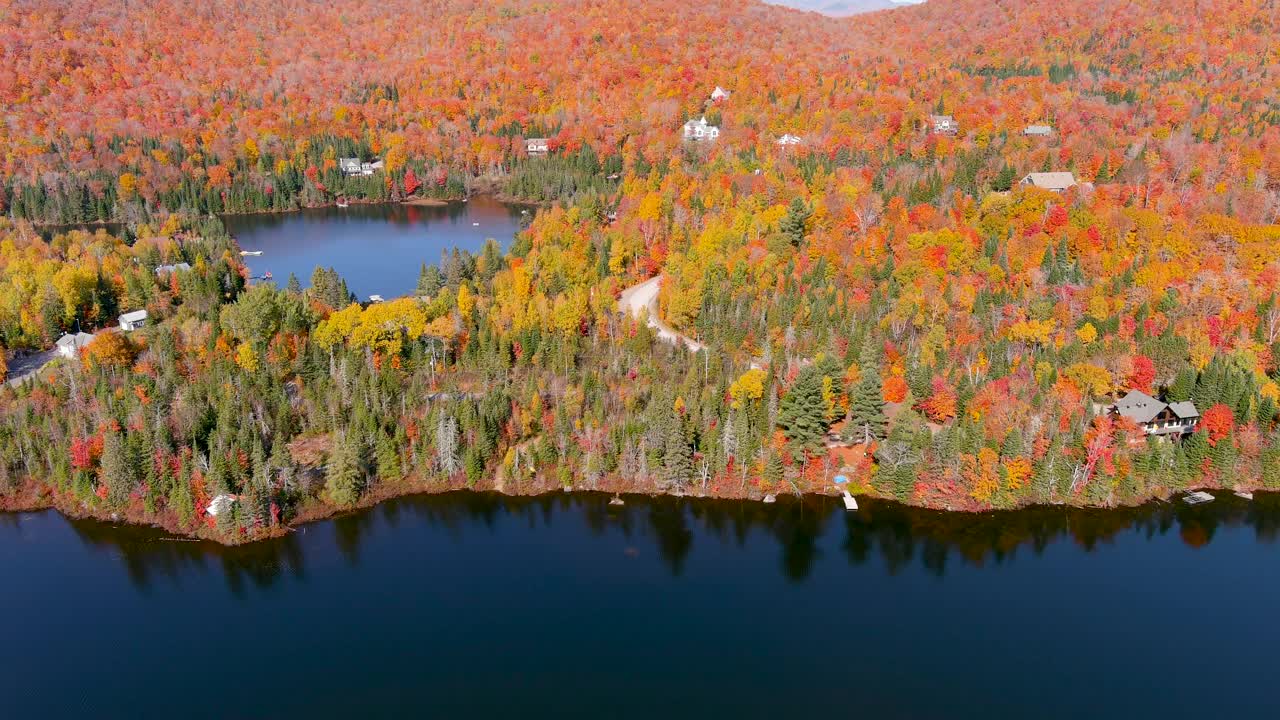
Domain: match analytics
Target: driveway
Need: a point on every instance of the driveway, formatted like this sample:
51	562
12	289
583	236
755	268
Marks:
645	297
23	367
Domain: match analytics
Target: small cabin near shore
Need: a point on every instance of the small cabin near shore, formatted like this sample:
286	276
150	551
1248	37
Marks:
131	321
351	166
537	146
719	94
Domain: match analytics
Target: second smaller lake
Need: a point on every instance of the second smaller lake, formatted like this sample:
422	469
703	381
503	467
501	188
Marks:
378	249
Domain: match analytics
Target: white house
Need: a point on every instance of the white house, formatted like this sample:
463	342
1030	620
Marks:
349	165
719	94
1051	181
170	269
944	124
1037	131
370	168
133	320
69	345
789	140
220	504
700	130
537	146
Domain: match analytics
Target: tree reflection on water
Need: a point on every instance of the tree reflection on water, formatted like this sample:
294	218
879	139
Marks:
897	536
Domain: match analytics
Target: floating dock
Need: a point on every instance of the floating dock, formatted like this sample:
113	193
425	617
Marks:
1198	498
849	503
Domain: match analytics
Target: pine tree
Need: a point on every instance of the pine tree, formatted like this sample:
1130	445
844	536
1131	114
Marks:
117	471
792	225
429	280
866	408
388	457
677	456
802	415
1183	385
342	474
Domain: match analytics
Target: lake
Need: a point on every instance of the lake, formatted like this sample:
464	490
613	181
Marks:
378	249
476	605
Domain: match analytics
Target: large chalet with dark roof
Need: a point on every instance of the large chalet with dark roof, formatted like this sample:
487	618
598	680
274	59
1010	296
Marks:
1156	418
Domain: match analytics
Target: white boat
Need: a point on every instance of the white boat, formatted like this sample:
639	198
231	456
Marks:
250	253
849	503
475	224
1244	494
343	203
616	501
1198	498
770	498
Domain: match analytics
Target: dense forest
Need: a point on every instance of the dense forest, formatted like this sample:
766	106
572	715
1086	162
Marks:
881	296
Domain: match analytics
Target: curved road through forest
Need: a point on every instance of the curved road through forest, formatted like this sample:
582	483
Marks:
645	297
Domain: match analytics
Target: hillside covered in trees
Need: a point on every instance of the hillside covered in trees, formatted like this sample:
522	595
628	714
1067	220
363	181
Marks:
880	294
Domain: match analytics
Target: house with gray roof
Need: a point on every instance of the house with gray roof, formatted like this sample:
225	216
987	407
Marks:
69	345
1157	418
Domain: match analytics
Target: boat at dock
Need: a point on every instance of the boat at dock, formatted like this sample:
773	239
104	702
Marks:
250	253
1244	494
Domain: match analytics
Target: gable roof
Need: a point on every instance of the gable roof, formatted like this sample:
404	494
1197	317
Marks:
78	340
1139	406
1051	180
1184	410
134	316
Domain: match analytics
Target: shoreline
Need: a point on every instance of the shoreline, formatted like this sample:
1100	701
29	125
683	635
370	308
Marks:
318	512
410	202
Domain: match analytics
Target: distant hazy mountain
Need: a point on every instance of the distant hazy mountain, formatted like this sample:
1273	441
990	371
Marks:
839	8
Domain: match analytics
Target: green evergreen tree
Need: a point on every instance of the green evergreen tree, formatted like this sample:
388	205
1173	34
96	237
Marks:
802	414
117	471
342	473
866	408
677	455
793	223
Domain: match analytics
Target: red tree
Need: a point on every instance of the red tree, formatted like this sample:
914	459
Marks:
1218	421
411	182
1143	374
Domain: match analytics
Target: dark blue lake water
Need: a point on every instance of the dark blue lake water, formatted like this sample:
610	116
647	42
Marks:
470	605
376	248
